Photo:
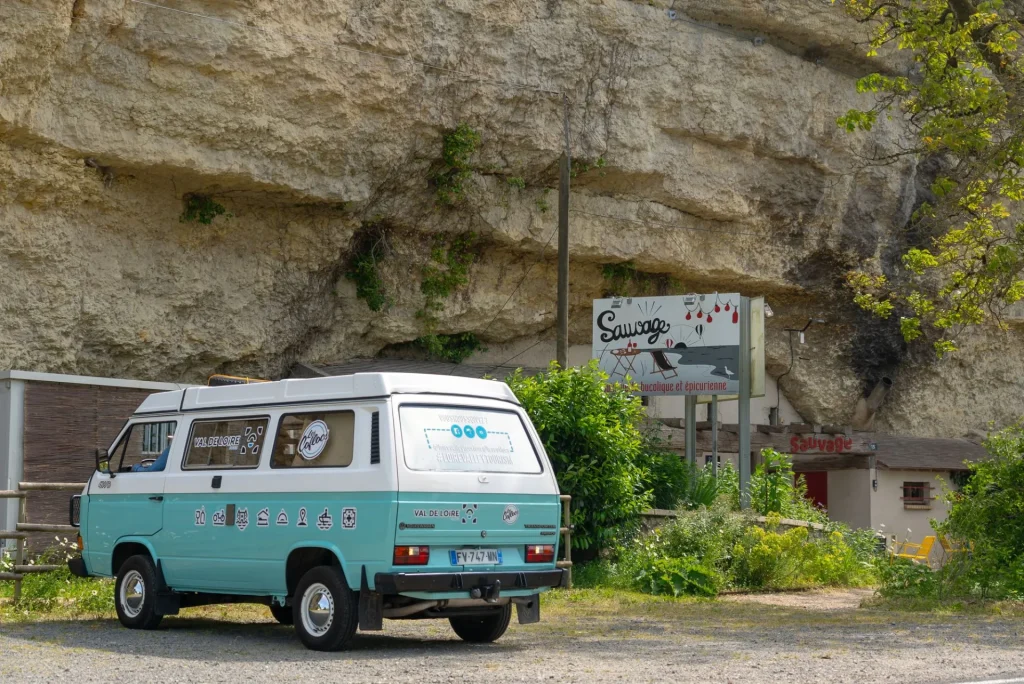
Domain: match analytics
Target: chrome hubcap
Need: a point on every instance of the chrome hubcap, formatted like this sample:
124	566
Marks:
317	609
133	593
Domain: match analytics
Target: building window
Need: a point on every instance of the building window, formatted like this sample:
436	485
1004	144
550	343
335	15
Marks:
917	495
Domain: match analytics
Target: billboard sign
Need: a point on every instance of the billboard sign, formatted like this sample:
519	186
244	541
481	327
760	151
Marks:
680	345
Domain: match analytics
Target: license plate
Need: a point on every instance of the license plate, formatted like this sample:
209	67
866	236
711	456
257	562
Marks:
475	557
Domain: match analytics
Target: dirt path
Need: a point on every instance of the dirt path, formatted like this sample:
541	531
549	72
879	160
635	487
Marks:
585	637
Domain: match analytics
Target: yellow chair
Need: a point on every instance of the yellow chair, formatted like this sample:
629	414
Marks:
917	552
950	549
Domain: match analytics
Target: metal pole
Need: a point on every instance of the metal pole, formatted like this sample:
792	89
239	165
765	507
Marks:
691	431
562	335
744	405
713	417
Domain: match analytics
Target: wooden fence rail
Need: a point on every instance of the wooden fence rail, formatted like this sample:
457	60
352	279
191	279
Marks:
23	527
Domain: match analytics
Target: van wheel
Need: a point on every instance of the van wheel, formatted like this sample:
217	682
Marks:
135	594
283	614
483	629
325	610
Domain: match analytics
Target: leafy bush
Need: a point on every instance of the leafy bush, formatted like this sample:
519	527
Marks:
987	513
705	550
767	559
775	489
59	590
667	476
589	430
678	576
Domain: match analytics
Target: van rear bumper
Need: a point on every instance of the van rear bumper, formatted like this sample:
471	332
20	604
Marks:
398	582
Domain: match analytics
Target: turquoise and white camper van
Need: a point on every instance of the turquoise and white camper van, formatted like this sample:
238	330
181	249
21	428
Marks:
336	501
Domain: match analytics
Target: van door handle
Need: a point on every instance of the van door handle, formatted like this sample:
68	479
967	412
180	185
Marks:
156	498
215	483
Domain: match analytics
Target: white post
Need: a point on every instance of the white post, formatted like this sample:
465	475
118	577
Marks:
12	420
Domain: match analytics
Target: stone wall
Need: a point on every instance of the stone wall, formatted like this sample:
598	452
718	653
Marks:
721	166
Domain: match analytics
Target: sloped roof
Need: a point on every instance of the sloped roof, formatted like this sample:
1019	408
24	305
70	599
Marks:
924	453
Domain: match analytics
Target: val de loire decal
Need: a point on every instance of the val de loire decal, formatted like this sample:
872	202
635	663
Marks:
348	518
220	518
688	344
201	516
302	522
263	518
282	518
314	439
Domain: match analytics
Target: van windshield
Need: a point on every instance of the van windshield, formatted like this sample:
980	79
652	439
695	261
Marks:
461	439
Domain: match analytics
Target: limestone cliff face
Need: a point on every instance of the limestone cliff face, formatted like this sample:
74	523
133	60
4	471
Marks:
721	166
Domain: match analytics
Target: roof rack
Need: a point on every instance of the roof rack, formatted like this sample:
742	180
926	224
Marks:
218	380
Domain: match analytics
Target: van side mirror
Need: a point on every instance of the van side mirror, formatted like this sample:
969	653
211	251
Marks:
103	461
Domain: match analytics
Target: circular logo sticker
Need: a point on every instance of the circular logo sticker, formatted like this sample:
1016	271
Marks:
510	515
313	440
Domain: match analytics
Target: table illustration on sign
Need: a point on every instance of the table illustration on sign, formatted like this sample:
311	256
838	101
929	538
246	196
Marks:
692	339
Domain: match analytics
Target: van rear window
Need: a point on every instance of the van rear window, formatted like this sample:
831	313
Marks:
464	439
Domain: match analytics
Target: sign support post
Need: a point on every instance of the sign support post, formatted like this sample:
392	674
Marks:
713	417
744	403
691	430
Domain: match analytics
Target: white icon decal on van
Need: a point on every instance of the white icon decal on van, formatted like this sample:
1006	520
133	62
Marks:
263	518
282	518
302	518
348	518
314	439
510	515
324	521
469	513
201	516
242	519
219	518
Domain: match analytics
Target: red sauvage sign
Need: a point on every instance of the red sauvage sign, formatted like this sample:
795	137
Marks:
830	445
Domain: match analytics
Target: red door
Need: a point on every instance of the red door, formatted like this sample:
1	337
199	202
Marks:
817	487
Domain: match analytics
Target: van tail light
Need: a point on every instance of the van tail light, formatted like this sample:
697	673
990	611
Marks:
540	553
412	555
81	546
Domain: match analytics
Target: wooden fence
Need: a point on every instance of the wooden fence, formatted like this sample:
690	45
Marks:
24	527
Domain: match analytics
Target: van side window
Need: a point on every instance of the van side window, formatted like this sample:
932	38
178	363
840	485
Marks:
231	443
311	440
143	448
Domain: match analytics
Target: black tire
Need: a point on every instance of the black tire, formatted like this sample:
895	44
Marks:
483	629
283	614
339	626
135	594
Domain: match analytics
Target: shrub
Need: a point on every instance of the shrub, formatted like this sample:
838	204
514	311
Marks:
775	489
589	430
987	513
667	476
677	576
59	590
767	559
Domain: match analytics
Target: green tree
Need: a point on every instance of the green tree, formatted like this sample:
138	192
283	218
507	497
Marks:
590	432
964	101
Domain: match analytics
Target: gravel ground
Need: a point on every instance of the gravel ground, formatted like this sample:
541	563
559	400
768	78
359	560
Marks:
586	638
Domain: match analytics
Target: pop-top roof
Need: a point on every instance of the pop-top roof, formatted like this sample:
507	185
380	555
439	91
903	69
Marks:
358	386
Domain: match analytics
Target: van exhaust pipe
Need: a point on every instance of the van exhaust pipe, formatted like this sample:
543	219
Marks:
867	407
411	609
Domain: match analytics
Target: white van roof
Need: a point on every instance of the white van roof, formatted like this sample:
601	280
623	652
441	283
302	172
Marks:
358	386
